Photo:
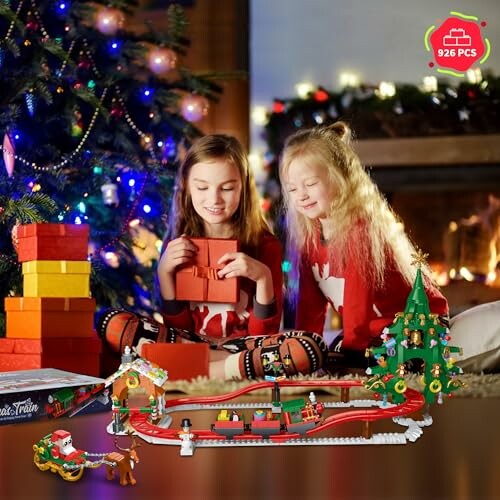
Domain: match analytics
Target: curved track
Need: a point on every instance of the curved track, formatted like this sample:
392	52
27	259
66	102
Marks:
139	421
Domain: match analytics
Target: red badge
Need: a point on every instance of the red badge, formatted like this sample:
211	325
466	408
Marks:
457	44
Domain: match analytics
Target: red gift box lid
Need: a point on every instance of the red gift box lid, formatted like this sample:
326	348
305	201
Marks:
51	229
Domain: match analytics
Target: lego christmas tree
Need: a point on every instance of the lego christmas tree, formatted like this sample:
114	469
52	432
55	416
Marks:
416	333
95	111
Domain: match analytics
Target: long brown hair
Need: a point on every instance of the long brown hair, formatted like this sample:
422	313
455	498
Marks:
248	220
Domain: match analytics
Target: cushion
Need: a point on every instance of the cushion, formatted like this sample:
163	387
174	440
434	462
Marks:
477	331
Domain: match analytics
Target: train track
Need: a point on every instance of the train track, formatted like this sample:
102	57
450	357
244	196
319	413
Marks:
356	411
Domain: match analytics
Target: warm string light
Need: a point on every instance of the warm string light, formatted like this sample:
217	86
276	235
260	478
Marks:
134	127
12	24
57	166
39	19
65	62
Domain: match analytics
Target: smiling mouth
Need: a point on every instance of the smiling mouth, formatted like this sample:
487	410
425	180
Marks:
307	207
214	211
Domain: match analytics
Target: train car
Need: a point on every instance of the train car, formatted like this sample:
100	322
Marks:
295	416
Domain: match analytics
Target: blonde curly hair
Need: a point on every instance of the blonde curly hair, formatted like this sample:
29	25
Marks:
363	225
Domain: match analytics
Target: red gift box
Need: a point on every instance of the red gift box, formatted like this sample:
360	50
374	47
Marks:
80	355
45	241
199	282
182	361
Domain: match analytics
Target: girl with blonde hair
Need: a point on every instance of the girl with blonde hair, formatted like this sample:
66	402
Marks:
349	246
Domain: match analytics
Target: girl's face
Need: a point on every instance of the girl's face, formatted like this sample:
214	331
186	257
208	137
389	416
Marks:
215	188
310	191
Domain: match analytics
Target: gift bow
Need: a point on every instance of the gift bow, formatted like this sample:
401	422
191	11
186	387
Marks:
205	272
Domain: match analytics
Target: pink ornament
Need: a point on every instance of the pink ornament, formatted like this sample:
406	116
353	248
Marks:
109	20
162	60
8	154
194	107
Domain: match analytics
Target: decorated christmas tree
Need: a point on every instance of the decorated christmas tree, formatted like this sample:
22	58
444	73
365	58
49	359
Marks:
94	113
417	334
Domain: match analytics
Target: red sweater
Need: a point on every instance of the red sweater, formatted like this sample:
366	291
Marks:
365	309
247	317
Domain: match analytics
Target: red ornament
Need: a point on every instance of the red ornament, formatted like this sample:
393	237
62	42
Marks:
32	25
278	106
321	95
116	112
84	64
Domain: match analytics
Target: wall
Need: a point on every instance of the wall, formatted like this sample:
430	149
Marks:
296	40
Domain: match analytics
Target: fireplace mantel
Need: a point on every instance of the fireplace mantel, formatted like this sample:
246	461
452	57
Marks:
429	151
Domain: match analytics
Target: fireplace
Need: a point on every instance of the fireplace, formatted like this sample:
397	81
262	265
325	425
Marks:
447	192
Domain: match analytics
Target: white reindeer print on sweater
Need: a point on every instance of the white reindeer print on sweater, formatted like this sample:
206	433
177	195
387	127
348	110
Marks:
240	309
332	288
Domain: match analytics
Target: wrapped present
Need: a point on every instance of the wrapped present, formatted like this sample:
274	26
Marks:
56	278
199	282
45	241
182	361
80	355
41	317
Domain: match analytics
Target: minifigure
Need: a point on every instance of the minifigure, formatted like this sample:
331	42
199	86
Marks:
187	445
63	446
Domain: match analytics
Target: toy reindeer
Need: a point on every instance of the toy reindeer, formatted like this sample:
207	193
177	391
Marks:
124	461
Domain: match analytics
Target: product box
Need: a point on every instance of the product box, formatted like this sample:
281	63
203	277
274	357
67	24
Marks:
182	361
56	278
199	282
44	241
48	393
78	354
40	317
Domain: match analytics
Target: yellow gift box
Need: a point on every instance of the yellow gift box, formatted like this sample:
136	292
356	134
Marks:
56	278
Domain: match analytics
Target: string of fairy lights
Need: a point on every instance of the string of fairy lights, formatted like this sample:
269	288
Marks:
193	106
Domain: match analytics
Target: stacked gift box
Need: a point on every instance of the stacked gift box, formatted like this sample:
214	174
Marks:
51	325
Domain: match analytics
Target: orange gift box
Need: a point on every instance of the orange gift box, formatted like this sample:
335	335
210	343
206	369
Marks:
44	241
199	282
42	317
81	355
182	361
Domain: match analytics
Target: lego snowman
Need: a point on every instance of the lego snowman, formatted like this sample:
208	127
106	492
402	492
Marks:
187	445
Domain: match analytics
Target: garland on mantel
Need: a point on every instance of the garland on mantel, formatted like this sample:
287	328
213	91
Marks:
466	108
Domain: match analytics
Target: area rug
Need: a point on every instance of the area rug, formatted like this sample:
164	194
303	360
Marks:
476	386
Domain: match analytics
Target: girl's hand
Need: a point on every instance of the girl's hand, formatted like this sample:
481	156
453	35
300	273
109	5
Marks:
178	251
239	264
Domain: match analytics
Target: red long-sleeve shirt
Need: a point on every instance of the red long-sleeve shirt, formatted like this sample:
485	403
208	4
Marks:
364	308
247	317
